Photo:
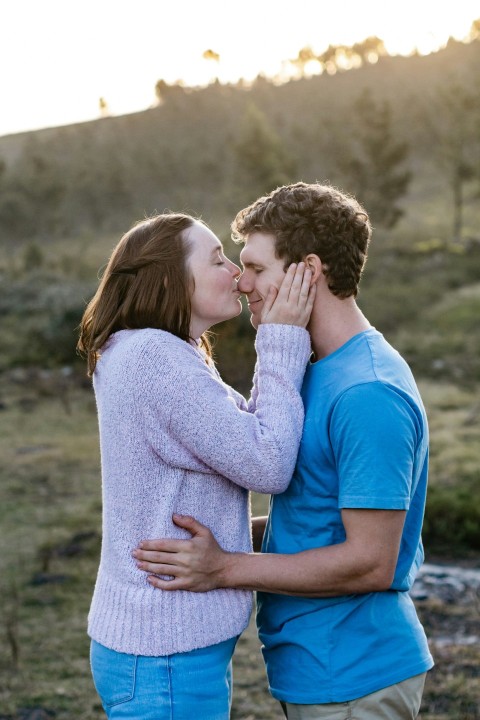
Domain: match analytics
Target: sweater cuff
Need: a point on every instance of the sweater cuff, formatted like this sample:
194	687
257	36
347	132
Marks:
289	344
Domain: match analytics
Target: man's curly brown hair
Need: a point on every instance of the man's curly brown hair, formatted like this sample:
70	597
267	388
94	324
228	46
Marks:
313	218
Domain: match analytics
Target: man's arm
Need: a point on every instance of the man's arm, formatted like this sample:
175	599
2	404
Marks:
364	562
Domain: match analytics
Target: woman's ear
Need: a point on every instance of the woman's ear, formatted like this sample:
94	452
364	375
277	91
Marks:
314	263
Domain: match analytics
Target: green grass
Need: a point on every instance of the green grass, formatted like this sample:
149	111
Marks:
50	497
50	537
422	295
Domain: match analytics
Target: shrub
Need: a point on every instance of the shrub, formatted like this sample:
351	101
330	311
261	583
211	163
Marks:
452	519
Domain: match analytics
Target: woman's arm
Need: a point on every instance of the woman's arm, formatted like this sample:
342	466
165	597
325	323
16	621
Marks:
194	423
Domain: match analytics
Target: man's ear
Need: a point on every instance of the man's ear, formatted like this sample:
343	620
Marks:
314	263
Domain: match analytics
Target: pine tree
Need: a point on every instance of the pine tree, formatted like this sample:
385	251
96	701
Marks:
374	164
454	124
262	162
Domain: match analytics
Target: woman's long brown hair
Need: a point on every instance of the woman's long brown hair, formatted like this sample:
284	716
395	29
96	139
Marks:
146	284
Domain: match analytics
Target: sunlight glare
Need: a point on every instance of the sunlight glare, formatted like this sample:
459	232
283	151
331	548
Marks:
80	52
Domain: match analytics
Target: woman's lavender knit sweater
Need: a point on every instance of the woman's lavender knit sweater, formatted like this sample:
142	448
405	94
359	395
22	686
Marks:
175	438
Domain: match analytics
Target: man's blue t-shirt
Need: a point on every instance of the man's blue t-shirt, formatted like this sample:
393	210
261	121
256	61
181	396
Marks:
365	445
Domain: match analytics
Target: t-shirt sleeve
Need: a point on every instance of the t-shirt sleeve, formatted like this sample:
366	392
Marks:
374	433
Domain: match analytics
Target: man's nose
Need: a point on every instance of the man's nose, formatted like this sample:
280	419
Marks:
244	285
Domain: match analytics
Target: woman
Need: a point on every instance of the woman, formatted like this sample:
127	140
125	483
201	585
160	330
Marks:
175	439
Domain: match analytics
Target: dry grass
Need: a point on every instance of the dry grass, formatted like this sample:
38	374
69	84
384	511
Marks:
49	534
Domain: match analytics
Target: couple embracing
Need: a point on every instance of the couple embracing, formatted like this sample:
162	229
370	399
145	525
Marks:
334	430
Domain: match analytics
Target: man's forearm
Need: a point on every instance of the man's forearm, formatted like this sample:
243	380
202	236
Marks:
322	572
364	562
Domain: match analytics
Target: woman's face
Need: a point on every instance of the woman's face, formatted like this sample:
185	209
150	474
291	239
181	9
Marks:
215	297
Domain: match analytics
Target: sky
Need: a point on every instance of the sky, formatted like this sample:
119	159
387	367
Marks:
59	57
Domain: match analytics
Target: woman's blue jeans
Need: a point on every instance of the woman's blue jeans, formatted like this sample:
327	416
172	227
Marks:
195	684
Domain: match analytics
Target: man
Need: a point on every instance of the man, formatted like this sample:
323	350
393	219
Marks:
342	545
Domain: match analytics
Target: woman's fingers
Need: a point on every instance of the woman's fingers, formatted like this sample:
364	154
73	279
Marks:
298	281
306	284
294	300
296	284
293	271
269	300
301	286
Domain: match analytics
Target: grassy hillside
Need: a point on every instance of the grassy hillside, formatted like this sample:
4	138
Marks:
184	154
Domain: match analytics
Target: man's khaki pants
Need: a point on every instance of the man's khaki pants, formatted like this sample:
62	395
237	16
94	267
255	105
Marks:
396	702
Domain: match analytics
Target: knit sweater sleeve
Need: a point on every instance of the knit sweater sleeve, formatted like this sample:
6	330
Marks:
237	397
251	403
193	421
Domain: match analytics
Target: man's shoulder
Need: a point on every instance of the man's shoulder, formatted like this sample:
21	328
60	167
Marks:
367	365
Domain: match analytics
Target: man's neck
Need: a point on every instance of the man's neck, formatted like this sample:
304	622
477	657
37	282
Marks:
333	323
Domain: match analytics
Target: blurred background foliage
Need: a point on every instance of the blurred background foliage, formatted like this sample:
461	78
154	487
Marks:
402	134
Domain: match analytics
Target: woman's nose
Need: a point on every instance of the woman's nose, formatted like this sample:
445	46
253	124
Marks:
236	272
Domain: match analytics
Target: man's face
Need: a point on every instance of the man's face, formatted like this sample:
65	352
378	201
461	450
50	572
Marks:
261	269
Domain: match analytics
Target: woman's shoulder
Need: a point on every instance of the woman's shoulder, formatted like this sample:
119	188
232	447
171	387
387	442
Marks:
156	347
143	338
152	357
